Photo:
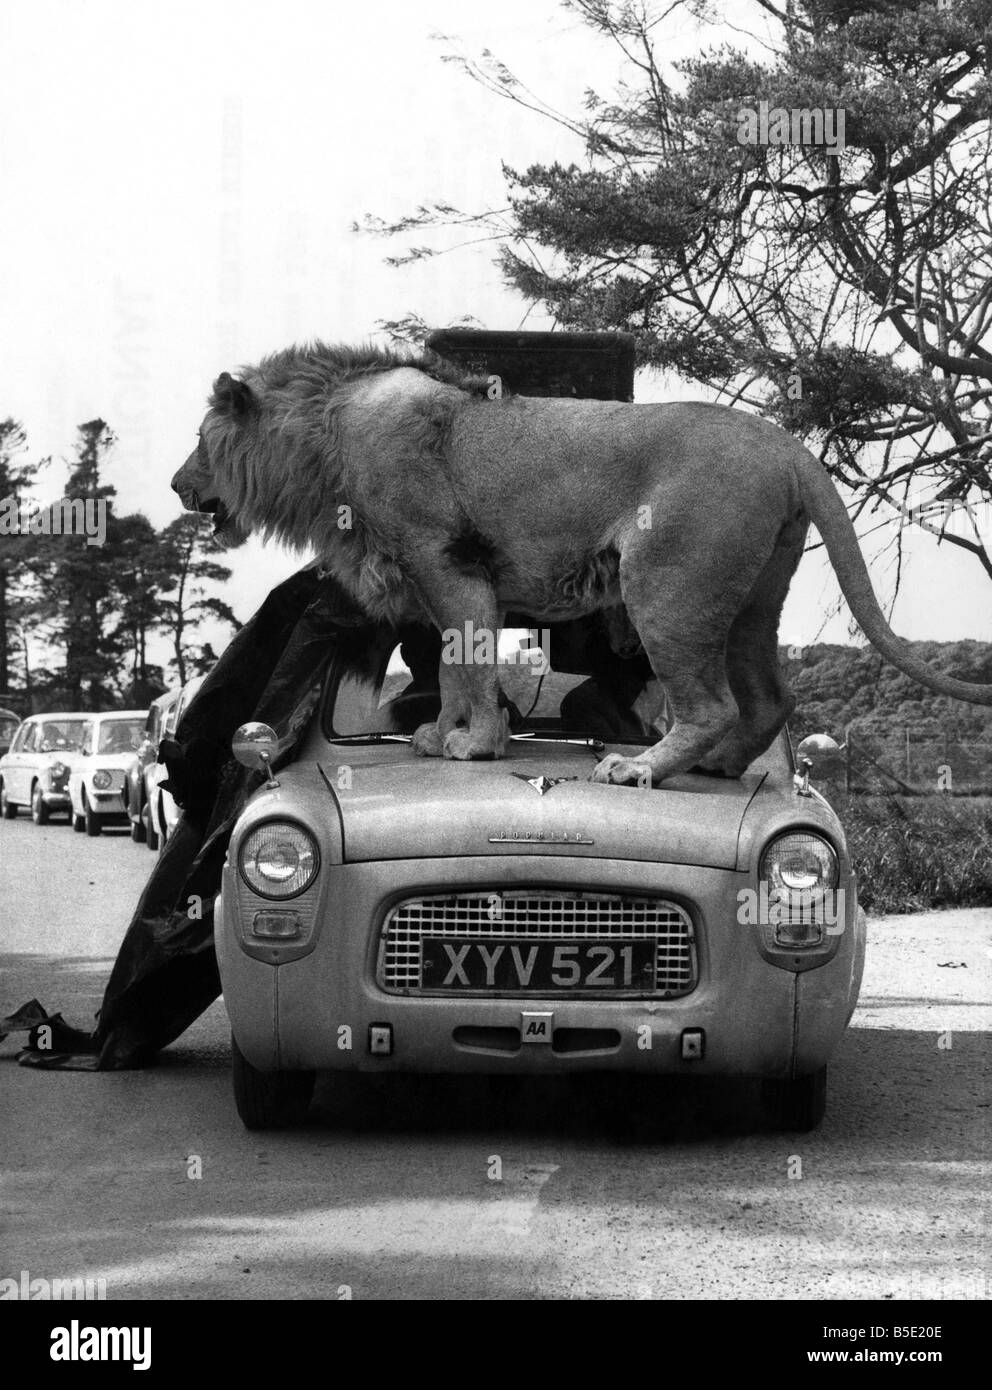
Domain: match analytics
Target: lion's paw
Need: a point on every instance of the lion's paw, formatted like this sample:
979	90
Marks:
463	746
427	741
622	771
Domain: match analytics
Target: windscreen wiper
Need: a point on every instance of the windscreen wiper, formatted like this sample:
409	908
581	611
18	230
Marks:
359	739
564	736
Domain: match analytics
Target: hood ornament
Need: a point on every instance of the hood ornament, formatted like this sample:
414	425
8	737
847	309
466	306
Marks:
542	784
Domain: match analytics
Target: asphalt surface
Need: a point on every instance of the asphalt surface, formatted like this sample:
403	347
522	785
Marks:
469	1190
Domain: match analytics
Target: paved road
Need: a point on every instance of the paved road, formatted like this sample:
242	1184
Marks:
605	1192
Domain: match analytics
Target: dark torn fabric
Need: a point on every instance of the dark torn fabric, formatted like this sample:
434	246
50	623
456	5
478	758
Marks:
165	974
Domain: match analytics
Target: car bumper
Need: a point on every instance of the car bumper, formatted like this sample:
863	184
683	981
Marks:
316	1012
55	800
107	803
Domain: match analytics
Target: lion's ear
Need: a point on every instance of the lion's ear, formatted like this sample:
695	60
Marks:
232	396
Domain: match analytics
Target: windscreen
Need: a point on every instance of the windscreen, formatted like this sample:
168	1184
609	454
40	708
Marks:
62	736
120	735
609	705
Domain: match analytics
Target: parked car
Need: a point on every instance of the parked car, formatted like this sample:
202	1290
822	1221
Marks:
8	727
163	813
35	771
97	782
142	780
383	911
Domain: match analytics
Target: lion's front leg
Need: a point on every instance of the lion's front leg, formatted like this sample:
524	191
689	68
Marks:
429	739
471	724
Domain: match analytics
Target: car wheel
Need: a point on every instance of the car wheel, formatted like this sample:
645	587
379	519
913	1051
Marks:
78	822
40	813
151	833
91	822
138	833
7	808
269	1100
796	1105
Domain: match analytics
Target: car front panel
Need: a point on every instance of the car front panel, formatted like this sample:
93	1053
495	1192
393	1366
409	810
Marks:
315	1011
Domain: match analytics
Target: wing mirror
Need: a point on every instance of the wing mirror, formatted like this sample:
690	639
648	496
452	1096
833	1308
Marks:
254	746
818	751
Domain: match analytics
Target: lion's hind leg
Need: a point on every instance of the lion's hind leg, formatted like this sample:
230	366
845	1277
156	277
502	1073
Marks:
683	598
695	680
762	695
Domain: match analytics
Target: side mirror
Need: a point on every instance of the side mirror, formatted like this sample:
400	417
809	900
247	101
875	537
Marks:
255	745
818	751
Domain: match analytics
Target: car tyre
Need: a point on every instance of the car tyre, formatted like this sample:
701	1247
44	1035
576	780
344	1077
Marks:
151	833
92	823
269	1100
138	832
40	813
8	810
78	822
799	1104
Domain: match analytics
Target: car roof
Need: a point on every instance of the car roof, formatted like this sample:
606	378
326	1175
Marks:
118	714
167	700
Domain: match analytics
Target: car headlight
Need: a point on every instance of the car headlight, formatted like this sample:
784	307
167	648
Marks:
279	859
58	772
801	871
102	780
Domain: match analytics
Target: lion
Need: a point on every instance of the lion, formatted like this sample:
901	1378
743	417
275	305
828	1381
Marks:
431	502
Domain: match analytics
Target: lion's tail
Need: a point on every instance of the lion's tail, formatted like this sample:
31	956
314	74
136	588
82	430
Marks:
828	514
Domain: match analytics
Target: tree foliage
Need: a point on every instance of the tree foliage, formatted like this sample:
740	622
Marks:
844	290
16	475
91	609
186	603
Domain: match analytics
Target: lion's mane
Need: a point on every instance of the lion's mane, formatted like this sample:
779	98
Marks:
292	415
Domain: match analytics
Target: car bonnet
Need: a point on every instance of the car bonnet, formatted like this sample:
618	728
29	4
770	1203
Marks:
396	805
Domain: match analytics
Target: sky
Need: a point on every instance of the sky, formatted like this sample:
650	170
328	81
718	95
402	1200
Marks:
179	187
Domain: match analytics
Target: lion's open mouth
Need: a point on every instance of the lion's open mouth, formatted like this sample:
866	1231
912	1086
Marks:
214	507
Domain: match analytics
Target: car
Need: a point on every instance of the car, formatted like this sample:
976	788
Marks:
8	727
163	813
97	782
385	912
142	780
35	771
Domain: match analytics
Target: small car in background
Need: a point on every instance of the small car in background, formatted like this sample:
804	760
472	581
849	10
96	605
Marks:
142	780
385	912
35	771
8	728
163	813
97	782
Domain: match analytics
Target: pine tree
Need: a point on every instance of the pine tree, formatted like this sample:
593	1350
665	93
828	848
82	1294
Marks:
16	476
185	546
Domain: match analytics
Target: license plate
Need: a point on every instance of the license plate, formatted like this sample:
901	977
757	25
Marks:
535	966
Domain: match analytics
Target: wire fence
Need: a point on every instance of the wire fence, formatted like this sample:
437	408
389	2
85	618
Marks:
903	762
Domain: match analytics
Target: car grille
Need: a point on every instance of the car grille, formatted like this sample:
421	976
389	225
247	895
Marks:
539	914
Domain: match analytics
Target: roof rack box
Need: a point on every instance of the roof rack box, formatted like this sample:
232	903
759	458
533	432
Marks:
594	366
